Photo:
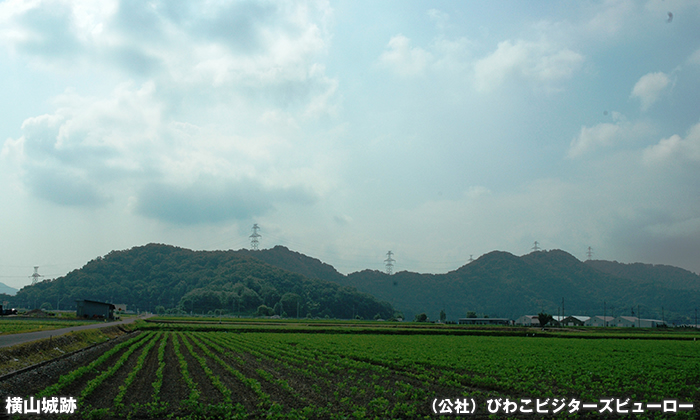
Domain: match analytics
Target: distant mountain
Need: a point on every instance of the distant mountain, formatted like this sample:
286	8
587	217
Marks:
156	275
500	284
659	275
7	289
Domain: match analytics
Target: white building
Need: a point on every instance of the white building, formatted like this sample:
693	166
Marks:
557	320
575	321
600	321
626	321
528	321
634	322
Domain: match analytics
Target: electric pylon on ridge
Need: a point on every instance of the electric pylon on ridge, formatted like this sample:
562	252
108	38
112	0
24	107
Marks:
389	263
254	241
36	275
536	247
589	254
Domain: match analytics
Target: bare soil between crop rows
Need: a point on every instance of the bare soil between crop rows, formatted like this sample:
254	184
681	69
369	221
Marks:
259	381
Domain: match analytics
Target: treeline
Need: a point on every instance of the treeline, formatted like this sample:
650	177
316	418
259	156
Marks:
173	279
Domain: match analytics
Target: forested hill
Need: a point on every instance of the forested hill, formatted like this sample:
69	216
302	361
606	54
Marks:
284	258
500	284
278	280
174	278
504	285
661	275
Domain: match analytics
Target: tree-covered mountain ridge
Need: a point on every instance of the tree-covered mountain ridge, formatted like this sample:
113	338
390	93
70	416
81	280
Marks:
504	285
497	284
168	278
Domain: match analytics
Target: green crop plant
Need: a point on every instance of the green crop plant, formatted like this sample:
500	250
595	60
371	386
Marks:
71	377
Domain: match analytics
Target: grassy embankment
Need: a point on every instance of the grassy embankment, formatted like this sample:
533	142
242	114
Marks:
17	357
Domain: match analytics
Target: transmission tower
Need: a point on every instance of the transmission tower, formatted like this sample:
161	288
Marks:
536	247
36	275
389	263
589	254
470	258
254	242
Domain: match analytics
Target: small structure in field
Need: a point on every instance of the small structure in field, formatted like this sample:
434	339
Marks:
95	310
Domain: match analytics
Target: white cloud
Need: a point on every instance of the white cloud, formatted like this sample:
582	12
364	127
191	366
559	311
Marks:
477	191
695	57
649	88
440	18
99	148
611	17
195	45
675	149
606	135
404	59
200	84
540	62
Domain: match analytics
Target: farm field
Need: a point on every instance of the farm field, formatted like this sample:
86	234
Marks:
198	373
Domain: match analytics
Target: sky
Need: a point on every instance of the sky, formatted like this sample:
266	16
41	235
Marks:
439	130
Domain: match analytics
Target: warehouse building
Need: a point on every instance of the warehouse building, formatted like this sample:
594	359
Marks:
94	310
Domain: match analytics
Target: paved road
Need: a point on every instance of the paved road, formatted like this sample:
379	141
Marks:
14	339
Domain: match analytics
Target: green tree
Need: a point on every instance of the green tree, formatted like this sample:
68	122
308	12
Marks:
544	318
264	310
421	317
471	314
443	316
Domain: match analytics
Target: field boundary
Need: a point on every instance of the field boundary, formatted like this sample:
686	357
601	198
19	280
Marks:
260	327
63	356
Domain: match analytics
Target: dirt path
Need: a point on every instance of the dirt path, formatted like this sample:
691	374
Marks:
14	339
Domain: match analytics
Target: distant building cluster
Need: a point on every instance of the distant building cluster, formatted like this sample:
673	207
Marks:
591	321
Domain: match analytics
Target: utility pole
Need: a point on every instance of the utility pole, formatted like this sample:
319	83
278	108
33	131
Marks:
389	263
605	314
562	308
254	242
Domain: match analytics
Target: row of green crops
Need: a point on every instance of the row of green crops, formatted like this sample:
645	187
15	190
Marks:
304	375
644	370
